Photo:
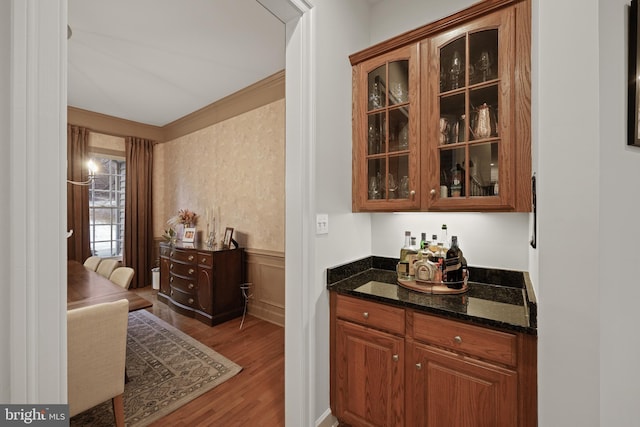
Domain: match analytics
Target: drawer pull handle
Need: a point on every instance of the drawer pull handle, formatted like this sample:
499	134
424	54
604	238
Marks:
191	270
190	285
171	293
419	366
172	254
171	279
170	266
457	339
190	258
365	314
204	260
395	358
190	300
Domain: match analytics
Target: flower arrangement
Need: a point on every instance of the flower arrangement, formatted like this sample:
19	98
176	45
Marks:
184	217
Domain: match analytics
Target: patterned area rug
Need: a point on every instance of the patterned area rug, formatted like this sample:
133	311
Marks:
166	369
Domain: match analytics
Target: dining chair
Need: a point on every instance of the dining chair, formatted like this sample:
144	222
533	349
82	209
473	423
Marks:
96	353
122	276
107	266
92	262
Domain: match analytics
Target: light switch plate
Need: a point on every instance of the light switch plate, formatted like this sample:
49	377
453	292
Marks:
322	224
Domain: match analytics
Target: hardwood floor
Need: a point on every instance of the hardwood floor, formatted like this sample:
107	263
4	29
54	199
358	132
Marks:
254	397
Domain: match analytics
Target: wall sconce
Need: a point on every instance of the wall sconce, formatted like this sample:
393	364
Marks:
93	168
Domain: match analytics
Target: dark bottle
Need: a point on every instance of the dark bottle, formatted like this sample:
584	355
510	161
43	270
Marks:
453	264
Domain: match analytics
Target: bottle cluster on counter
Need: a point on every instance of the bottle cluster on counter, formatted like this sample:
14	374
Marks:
438	260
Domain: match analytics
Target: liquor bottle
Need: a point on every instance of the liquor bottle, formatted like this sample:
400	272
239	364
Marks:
406	247
412	256
443	237
433	246
423	241
453	264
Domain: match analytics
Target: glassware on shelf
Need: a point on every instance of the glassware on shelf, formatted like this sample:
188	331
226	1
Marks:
403	191
444	131
399	92
404	137
485	122
484	65
456	71
374	188
393	186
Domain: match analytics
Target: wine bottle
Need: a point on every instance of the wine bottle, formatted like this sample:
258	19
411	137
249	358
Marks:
453	264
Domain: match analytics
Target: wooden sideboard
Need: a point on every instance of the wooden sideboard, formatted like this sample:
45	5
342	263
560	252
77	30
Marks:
202	282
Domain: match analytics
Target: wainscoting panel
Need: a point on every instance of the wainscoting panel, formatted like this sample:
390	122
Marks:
265	270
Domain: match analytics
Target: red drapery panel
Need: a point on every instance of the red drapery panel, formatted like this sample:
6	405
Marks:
78	245
138	236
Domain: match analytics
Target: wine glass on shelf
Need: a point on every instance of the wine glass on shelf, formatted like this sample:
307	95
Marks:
374	188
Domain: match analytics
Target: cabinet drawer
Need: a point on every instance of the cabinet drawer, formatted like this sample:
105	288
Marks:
185	285
371	314
205	258
484	343
186	270
182	255
184	298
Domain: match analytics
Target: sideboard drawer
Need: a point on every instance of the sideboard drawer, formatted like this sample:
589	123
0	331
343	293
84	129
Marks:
186	270
184	298
185	256
375	315
205	259
185	285
484	343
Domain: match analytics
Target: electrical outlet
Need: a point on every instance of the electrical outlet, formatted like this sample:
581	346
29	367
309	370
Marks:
322	224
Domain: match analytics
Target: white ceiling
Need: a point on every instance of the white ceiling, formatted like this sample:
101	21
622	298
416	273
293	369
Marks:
154	61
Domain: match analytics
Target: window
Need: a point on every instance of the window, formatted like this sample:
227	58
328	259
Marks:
106	206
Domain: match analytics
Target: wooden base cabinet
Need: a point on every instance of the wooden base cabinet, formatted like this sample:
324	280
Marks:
449	390
397	367
201	282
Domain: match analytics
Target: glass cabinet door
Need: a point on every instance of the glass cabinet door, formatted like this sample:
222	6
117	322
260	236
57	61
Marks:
389	166
469	136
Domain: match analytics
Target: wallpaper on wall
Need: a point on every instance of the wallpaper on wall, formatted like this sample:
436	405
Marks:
235	167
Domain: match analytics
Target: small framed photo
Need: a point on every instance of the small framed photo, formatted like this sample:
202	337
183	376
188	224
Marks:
228	236
189	235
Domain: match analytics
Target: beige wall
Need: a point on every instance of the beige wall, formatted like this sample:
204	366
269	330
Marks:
235	166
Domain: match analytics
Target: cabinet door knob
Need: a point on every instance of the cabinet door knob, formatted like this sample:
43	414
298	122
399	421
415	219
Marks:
204	260
190	285
190	258
191	271
432	192
419	366
172	253
171	279
457	339
171	266
395	357
190	300
365	314
412	193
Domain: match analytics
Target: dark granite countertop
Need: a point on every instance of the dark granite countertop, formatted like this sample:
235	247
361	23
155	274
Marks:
497	298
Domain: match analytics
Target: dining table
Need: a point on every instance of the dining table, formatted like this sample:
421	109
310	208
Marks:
85	287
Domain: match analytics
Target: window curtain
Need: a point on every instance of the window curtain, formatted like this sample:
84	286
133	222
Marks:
78	245
138	234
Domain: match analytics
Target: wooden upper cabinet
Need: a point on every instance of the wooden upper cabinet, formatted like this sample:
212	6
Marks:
386	158
467	141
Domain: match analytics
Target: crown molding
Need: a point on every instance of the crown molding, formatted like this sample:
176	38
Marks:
114	126
261	93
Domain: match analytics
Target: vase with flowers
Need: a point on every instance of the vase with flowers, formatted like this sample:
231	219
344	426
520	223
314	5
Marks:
185	217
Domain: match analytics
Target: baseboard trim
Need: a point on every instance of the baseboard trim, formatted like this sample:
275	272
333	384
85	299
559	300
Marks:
327	419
